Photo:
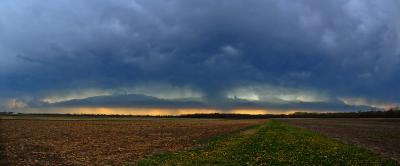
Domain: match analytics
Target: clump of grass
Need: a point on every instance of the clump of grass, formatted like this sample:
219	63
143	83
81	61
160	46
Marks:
274	143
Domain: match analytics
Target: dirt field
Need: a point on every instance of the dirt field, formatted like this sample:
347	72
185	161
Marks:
104	142
379	135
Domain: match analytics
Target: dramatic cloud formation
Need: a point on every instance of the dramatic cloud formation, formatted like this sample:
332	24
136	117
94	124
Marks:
335	55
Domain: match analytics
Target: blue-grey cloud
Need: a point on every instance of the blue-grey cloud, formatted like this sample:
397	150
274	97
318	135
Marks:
342	49
143	101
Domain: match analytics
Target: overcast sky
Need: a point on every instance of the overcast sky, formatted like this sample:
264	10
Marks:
339	55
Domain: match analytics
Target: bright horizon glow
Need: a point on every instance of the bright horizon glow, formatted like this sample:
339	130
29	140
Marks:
151	111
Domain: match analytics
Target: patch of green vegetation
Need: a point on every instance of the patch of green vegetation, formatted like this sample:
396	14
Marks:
274	143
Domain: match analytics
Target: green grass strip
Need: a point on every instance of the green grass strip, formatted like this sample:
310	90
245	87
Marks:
274	143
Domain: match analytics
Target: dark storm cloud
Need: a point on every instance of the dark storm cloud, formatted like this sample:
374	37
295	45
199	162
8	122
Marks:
143	101
344	48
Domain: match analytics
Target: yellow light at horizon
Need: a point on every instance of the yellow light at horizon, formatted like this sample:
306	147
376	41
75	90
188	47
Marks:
249	111
123	111
155	111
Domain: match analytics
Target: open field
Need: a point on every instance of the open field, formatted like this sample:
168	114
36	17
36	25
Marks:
115	141
379	135
274	143
80	140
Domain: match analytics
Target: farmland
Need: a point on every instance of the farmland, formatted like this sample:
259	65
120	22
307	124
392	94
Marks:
116	141
379	135
79	140
274	143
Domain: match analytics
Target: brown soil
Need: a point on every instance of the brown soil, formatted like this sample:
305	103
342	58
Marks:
104	142
379	135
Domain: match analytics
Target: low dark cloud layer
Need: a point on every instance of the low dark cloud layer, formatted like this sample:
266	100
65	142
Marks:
143	101
343	51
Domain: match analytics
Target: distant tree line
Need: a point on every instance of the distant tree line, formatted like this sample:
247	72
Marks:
367	114
233	116
391	113
6	113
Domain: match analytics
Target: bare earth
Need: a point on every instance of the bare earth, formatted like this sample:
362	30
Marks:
379	135
104	142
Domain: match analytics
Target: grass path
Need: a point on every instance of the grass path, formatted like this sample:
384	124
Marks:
273	143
